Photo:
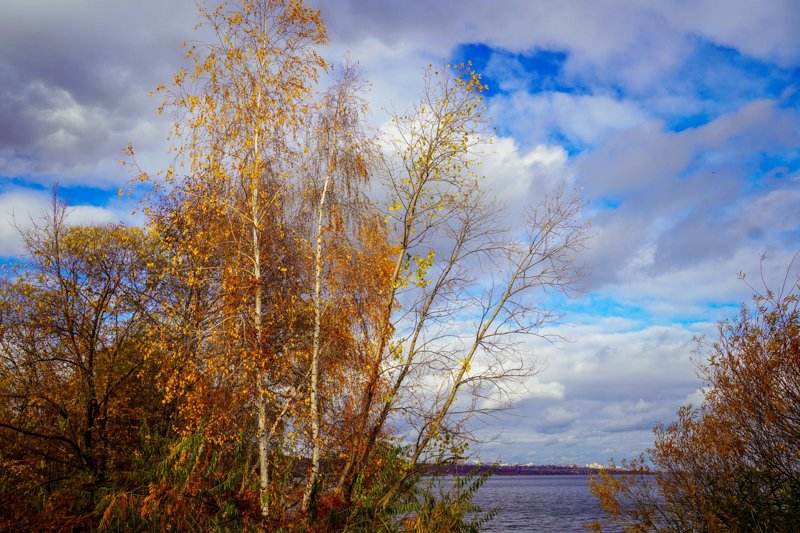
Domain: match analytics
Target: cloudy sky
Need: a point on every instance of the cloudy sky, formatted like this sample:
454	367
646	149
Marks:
679	120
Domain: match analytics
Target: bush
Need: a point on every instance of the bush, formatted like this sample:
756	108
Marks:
733	463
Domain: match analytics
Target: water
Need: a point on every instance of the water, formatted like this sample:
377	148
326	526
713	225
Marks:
539	503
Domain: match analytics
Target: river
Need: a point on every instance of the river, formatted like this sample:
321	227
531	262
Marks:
538	503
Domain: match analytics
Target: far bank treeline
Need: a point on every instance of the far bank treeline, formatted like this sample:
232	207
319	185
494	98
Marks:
312	310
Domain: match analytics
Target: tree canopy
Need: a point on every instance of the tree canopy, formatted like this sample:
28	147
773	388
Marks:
304	326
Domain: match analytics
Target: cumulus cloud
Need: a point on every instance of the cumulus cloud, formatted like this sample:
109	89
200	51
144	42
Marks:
633	45
16	208
764	30
616	380
518	177
75	83
686	198
19	207
582	119
678	121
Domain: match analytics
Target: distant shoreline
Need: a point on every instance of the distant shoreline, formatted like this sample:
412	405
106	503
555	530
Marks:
526	470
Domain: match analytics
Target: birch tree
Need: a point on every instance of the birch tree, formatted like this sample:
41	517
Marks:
329	321
337	172
239	111
454	265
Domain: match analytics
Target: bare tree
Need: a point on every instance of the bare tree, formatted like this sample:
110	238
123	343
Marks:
450	334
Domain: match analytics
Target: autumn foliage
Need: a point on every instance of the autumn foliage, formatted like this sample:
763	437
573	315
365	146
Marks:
72	328
733	462
302	327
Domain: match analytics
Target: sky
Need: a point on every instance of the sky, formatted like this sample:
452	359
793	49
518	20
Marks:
679	122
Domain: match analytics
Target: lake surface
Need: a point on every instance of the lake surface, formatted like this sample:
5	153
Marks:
539	503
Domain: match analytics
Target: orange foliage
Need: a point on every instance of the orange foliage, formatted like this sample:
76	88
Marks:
733	463
252	349
72	398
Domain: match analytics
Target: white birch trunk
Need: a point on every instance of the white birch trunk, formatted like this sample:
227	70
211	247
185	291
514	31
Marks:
315	454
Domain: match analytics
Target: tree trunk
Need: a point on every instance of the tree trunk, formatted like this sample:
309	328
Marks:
263	435
315	454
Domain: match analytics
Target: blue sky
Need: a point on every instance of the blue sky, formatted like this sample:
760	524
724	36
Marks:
678	121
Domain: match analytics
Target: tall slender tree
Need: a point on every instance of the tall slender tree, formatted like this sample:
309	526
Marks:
298	299
241	108
445	230
341	152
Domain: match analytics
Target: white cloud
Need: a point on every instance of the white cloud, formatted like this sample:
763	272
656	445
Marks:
628	44
19	207
536	388
583	119
762	29
617	379
75	77
16	207
685	199
518	177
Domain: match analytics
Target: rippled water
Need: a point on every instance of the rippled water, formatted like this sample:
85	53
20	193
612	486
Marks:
539	503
